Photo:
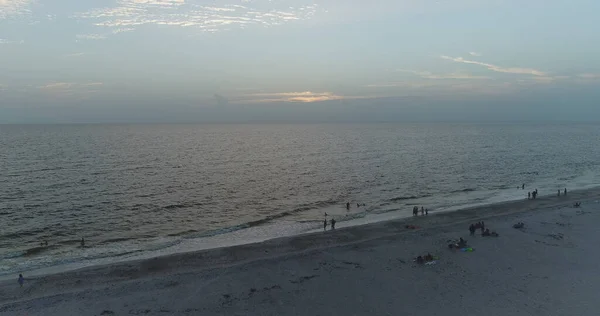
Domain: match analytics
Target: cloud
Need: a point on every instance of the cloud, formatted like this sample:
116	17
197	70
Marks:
456	76
475	54
66	89
5	41
301	97
14	7
589	76
90	37
127	15
513	70
74	55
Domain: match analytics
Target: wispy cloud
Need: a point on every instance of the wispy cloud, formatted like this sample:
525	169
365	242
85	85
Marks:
589	76
5	41
301	97
512	70
14	7
456	76
67	89
74	55
90	36
130	14
475	54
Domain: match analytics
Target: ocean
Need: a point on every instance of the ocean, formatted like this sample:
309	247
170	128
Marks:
136	191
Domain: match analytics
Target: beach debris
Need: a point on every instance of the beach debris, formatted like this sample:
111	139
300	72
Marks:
411	227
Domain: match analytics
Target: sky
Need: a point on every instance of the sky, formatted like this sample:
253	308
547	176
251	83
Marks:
70	61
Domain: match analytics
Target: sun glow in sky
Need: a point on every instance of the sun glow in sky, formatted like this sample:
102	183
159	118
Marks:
74	60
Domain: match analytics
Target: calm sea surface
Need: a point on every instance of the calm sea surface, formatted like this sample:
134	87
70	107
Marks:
133	190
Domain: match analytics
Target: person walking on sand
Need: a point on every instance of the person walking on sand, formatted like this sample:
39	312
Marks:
332	224
523	187
472	230
21	280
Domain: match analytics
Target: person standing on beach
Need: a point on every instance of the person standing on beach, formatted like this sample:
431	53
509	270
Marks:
472	230
422	211
523	187
529	195
565	191
82	242
348	206
21	280
325	224
558	192
426	211
332	224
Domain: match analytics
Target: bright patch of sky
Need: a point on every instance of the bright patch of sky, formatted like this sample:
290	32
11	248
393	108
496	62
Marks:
261	54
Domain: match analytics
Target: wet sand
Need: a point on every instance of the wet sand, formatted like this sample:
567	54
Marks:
548	268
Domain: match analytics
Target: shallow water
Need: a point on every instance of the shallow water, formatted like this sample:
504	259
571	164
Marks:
134	190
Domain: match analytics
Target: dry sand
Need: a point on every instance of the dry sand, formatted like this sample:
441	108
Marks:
549	268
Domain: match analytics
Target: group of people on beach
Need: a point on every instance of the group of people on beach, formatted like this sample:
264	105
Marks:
485	232
424	211
532	195
332	221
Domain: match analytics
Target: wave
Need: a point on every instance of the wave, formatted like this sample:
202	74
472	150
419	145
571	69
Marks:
412	197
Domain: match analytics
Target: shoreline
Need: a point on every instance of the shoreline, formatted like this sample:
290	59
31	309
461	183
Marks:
343	235
363	262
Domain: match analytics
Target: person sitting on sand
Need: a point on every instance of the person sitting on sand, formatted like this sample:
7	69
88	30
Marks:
21	280
462	243
494	234
486	233
428	257
420	260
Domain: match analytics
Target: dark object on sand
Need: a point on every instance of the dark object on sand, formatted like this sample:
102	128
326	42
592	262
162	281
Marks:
578	204
411	227
519	225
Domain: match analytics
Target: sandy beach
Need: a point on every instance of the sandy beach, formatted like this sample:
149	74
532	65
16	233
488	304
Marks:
550	267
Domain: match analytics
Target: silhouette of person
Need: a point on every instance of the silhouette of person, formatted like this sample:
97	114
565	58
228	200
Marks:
21	280
332	223
325	224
